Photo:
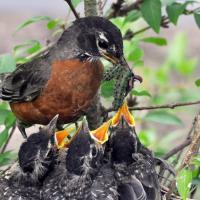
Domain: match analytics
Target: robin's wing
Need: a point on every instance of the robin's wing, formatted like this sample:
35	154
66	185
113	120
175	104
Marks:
27	81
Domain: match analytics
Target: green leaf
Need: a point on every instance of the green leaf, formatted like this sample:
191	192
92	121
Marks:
151	11
52	24
197	19
174	11
163	117
30	47
107	89
135	55
184	179
196	160
76	2
132	16
3	115
33	20
3	137
10	120
156	40
141	93
36	46
147	137
7	63
197	82
7	157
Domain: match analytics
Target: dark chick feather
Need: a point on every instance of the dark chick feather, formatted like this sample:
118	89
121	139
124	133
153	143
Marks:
104	186
74	176
132	191
36	158
133	164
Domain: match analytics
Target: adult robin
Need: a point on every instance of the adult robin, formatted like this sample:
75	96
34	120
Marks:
66	79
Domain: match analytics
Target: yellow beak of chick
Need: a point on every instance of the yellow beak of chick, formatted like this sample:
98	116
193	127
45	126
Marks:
123	111
100	135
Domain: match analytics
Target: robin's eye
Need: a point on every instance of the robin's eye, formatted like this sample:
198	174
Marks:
103	44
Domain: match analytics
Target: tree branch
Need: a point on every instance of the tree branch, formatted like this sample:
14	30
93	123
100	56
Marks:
90	7
175	150
119	10
165	106
69	2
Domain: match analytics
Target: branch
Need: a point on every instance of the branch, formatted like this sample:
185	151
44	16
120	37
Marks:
69	2
129	34
119	10
165	106
175	150
90	7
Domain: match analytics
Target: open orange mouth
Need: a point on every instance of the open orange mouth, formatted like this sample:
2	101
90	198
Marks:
123	111
100	135
63	138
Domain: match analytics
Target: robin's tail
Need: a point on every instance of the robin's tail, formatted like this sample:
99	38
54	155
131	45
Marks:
2	77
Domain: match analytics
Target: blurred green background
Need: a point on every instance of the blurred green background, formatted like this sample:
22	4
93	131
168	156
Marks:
168	60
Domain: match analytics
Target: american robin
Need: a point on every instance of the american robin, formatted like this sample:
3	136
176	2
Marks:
134	164
73	179
35	159
65	80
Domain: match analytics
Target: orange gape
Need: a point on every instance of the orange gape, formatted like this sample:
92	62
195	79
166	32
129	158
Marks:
69	92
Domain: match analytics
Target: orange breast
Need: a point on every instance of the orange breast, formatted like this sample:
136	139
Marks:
69	92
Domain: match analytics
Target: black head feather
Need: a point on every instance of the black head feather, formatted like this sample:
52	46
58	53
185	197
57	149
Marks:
83	153
35	150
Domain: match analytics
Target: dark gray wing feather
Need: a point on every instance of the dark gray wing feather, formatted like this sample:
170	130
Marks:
27	81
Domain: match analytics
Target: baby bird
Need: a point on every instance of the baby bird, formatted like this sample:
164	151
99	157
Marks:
36	158
82	161
134	164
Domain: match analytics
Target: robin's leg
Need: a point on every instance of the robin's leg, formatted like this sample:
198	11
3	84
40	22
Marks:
93	114
21	126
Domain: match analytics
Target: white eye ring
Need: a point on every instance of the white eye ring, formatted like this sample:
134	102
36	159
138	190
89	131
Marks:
103	37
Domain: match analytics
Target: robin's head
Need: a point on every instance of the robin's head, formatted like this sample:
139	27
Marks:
100	38
92	38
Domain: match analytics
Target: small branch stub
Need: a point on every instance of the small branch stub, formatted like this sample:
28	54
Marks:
90	7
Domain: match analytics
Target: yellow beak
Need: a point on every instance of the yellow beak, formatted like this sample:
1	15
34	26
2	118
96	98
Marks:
123	111
63	138
100	135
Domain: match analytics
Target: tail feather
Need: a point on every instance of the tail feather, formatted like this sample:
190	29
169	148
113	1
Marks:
2	78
